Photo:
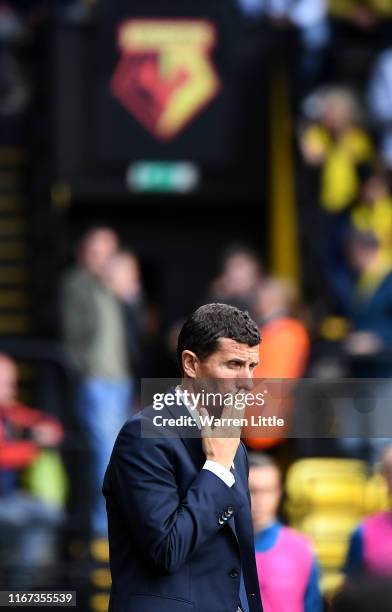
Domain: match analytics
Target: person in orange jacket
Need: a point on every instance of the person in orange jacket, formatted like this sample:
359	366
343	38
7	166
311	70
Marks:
285	343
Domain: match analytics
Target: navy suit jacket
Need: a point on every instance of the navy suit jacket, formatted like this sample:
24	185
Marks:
179	537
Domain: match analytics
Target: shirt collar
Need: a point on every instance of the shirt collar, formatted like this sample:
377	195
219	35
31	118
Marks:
193	411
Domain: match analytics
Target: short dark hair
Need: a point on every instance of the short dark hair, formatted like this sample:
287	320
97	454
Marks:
202	330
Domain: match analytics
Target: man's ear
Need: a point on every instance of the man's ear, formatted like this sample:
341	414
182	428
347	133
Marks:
190	362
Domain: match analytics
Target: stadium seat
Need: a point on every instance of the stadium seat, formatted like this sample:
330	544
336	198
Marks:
326	499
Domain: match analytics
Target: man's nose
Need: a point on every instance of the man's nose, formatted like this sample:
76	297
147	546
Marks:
246	382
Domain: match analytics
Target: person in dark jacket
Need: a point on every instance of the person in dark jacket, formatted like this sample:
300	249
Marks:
177	498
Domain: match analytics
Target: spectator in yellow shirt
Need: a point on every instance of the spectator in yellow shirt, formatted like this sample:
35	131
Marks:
373	214
339	147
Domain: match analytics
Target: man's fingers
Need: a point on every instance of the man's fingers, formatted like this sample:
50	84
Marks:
229	409
206	430
225	426
233	410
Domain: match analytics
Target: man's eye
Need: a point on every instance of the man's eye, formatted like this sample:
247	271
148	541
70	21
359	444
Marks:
235	364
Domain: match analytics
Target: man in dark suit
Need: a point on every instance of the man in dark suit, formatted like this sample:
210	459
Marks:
180	528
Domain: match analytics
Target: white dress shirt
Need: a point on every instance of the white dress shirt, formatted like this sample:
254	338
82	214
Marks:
212	466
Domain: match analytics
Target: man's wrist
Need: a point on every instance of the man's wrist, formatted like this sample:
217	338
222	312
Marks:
221	462
220	471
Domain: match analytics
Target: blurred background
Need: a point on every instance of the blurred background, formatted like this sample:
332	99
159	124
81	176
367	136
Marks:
154	157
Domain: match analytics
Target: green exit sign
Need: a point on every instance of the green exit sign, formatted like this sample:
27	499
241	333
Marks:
162	177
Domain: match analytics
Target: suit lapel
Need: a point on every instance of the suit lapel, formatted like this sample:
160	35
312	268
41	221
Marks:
195	449
190	436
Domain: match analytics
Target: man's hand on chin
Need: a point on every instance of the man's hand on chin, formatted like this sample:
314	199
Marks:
220	444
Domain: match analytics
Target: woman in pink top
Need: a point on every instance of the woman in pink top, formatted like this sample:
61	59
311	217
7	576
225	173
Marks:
286	566
370	549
